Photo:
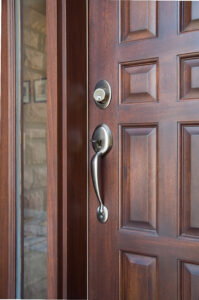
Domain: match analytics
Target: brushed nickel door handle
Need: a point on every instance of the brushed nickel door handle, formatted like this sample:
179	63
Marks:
102	143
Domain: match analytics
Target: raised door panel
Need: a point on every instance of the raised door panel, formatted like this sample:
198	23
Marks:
189	281
138	20
139	177
189	16
138	277
189	77
139	81
189	179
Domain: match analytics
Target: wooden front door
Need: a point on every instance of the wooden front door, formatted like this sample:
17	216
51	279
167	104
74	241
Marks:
149	247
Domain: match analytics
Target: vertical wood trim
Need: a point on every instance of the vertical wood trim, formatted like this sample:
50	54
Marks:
76	150
67	142
52	149
7	153
64	71
4	157
64	154
12	148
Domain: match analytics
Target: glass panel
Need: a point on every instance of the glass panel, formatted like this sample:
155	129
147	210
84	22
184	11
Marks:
33	154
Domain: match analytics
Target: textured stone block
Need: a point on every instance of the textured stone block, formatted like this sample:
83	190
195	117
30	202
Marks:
35	152
34	59
35	200
31	38
38	133
28	178
40	176
35	113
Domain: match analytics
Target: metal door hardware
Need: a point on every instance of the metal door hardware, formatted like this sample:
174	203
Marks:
102	94
102	143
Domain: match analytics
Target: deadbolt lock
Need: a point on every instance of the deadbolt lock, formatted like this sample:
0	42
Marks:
99	95
102	94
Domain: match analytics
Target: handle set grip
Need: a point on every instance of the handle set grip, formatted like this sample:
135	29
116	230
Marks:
102	142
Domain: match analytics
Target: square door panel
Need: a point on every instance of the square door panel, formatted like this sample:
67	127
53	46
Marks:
189	281
139	177
189	16
138	277
139	82
138	20
189	188
189	77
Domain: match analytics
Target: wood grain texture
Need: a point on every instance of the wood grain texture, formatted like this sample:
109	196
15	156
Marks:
189	77
138	20
189	281
53	150
76	82
139	81
108	240
64	234
189	16
139	177
189	179
139	277
7	152
67	150
66	222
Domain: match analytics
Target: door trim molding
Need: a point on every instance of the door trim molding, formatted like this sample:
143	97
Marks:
66	150
8	153
52	149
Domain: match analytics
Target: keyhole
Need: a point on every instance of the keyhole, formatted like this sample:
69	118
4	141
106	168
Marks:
99	98
99	144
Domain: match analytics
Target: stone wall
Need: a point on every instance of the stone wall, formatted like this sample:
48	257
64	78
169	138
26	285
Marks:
34	151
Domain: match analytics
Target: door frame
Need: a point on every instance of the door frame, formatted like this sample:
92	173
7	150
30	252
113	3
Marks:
66	127
8	153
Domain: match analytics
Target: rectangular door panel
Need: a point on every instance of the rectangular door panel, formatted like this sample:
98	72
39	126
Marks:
138	20
189	279
139	81
189	15
136	267
139	177
189	77
189	181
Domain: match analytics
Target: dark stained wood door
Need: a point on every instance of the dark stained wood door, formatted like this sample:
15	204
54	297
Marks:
149	247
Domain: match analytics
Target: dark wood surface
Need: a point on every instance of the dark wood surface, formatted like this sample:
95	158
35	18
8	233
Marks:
76	150
67	149
64	231
54	150
7	153
149	248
